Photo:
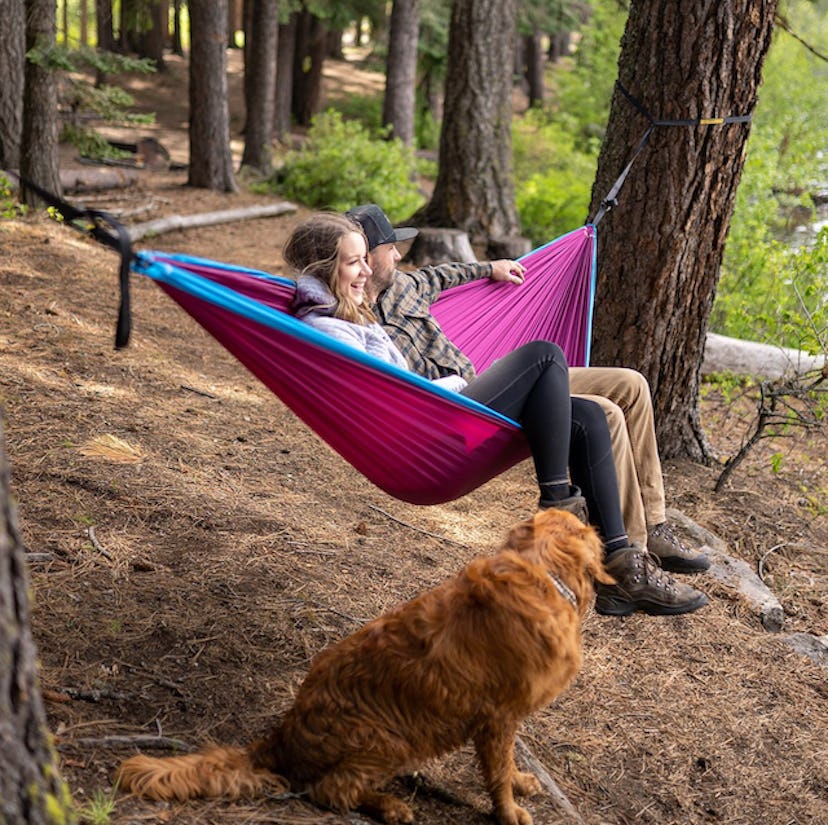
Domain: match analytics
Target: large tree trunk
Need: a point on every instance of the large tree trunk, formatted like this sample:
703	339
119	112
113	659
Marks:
39	146
283	95
401	70
260	64
12	62
211	162
660	249
474	190
31	790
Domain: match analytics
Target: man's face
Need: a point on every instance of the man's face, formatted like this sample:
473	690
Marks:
383	260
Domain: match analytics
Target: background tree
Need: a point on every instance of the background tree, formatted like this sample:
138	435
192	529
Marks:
283	95
211	162
260	85
661	249
401	70
310	51
12	61
39	140
103	25
474	189
30	786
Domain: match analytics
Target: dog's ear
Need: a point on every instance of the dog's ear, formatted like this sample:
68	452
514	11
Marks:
521	536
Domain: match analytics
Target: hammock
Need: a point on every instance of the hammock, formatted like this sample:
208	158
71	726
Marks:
416	441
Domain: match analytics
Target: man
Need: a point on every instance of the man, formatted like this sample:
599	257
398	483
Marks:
402	304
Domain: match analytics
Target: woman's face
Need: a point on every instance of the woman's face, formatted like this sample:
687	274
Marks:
353	272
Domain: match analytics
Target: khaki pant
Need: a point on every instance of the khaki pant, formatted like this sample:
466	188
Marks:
624	395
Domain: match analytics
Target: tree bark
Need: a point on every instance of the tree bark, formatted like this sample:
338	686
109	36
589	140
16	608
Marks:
474	190
39	146
534	57
660	250
31	789
103	25
401	70
283	95
211	162
151	41
311	49
260	91
12	65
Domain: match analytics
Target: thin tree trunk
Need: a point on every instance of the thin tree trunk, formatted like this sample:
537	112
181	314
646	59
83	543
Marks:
474	190
661	248
103	25
283	95
12	67
31	789
401	70
535	59
308	59
211	162
39	147
260	92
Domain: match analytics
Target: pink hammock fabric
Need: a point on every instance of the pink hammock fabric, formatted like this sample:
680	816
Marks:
486	319
417	442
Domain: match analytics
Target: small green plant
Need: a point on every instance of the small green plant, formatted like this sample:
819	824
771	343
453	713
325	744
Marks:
99	810
342	165
9	207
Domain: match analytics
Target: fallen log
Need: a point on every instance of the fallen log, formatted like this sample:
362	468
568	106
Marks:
94	179
172	222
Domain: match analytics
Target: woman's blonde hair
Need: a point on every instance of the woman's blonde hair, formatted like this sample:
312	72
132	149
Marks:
313	249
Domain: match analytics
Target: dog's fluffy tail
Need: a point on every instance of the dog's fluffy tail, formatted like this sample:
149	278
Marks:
216	771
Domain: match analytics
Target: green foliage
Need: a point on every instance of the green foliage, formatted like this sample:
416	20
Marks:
9	207
553	178
342	165
99	810
769	291
367	109
556	151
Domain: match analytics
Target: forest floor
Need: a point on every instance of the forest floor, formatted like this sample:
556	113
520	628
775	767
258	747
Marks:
192	546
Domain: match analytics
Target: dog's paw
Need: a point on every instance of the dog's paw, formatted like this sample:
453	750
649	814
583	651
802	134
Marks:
525	784
514	815
394	811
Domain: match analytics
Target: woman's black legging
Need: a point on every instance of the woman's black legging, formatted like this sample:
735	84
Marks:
531	385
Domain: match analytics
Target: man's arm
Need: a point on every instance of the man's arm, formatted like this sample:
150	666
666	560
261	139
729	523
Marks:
432	280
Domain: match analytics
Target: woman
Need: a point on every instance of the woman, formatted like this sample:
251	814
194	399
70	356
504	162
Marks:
530	385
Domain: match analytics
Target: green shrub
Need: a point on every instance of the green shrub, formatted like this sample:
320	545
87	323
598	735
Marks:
9	207
341	166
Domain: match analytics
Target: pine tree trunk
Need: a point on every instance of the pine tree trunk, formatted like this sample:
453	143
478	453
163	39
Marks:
211	163
401	70
311	46
260	61
31	790
103	25
661	248
12	62
283	96
39	144
535	60
474	190
152	41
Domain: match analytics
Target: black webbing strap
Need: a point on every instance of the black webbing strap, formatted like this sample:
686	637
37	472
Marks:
105	229
611	200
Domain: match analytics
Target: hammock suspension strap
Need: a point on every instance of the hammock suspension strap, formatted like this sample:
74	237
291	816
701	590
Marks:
611	200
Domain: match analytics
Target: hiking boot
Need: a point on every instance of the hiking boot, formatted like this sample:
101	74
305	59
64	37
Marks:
643	585
575	504
673	554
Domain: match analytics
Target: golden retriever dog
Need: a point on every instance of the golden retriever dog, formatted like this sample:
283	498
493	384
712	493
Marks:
467	661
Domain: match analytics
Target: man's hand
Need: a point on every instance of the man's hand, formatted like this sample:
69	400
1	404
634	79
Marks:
510	271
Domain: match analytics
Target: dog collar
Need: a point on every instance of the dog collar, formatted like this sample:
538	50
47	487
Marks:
563	590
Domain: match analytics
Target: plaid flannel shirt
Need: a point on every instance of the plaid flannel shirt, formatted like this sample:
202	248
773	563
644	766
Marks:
404	309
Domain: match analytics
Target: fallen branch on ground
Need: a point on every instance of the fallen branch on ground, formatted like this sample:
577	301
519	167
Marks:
173	222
